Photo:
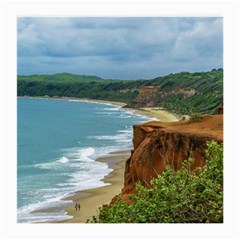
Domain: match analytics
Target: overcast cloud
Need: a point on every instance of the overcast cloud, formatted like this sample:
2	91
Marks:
119	48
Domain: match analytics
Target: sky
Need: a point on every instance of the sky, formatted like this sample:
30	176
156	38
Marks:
119	47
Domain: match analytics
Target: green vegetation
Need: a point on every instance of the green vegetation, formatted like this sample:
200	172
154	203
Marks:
79	86
200	92
175	197
208	95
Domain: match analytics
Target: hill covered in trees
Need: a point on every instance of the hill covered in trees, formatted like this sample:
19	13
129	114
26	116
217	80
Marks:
186	93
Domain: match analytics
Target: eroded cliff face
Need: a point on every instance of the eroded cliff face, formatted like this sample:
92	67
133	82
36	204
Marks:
150	96
158	143
147	97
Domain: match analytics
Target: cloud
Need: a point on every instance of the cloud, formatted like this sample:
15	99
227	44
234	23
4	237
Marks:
123	48
202	39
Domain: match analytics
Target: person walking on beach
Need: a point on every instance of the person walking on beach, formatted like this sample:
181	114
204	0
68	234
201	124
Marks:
76	206
79	206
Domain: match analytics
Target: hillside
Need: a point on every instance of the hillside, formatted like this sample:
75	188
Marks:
186	93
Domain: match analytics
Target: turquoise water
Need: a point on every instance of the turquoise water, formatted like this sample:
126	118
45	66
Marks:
58	143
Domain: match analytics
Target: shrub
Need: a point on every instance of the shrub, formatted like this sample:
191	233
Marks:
175	197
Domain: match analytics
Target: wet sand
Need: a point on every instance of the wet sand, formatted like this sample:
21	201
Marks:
92	199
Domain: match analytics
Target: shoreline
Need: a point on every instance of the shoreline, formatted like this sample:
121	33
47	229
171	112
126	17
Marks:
77	99
154	112
160	114
92	199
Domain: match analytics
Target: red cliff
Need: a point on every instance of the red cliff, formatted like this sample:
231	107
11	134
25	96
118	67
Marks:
159	143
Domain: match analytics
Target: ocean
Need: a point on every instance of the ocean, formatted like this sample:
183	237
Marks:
58	142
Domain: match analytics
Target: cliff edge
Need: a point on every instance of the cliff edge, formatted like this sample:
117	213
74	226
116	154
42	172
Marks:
159	143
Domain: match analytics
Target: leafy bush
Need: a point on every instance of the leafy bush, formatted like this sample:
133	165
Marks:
175	197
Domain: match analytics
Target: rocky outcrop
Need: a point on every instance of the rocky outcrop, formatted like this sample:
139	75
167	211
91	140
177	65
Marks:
159	143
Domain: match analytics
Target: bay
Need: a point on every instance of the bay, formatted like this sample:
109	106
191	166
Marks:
58	143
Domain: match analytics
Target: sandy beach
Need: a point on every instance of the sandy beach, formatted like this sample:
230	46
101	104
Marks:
158	113
92	199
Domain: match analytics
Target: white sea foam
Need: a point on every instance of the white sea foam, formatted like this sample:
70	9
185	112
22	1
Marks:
92	101
29	214
63	160
82	173
77	155
123	137
46	165
85	153
103	113
112	109
126	131
141	116
127	116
